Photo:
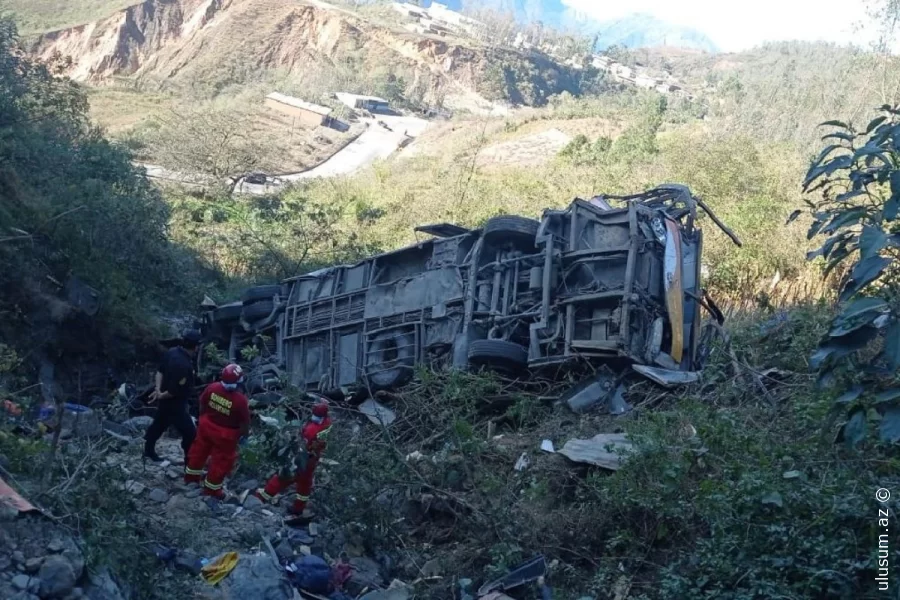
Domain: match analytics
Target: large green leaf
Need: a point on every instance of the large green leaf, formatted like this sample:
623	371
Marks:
887	396
845	218
865	272
837	348
850	195
814	228
850	395
854	430
828	246
863	305
875	123
840	135
891	208
892	345
869	150
872	241
889	429
840	124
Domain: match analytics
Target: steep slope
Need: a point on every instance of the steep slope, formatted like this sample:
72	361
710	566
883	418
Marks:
211	44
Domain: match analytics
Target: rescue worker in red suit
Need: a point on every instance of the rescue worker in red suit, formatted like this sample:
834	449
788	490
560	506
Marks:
224	420
314	440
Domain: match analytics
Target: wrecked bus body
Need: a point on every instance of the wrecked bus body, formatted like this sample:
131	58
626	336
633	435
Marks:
613	280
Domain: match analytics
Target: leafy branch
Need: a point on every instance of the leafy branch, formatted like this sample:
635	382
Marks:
857	179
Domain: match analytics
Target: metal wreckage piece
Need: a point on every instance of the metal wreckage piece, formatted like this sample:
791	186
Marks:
612	282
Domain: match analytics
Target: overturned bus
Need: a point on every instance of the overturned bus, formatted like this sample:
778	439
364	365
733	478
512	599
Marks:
612	280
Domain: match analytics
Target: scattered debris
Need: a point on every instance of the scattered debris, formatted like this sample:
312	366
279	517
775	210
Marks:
602	450
253	503
138	424
397	591
617	403
524	573
667	378
522	463
591	392
377	413
415	456
310	573
11	498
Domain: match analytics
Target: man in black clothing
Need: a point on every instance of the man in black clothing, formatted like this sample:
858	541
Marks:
174	386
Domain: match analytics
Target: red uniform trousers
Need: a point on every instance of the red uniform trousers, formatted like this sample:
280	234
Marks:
219	445
302	479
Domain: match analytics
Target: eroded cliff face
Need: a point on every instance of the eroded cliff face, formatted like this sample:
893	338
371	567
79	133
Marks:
185	41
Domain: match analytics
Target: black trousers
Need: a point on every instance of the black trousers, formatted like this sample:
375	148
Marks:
174	414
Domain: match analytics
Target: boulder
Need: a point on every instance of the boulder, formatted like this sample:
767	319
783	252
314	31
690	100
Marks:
57	577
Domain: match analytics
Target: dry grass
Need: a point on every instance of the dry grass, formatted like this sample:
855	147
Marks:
120	110
39	16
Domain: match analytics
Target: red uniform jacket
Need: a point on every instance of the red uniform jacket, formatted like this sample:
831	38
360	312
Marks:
315	435
224	408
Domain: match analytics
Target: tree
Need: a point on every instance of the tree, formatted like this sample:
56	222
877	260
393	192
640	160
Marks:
857	176
210	141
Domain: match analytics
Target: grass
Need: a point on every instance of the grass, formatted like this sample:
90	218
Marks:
40	16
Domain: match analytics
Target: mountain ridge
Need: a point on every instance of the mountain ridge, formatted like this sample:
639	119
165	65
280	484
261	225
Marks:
637	30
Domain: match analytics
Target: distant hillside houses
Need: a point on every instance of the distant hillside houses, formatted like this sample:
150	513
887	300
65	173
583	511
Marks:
439	19
640	77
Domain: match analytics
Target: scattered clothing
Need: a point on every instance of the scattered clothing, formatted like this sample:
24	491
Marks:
219	568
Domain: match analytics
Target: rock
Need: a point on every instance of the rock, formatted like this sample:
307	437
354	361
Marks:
253	503
398	592
56	546
313	529
18	557
257	577
57	577
250	484
366	573
298	536
432	568
8	513
159	495
174	473
188	562
135	488
193	492
101	586
284	550
21	582
33	564
5	562
138	424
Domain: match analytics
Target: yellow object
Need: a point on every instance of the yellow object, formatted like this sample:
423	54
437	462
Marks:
219	568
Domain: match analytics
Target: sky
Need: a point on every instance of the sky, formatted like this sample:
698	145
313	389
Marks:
735	26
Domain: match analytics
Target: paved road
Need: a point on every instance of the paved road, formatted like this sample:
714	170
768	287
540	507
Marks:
376	143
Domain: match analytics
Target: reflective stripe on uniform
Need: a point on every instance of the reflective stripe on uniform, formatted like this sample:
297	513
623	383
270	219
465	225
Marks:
301	498
212	486
324	432
189	471
263	493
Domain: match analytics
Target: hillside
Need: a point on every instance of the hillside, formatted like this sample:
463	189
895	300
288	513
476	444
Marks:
206	46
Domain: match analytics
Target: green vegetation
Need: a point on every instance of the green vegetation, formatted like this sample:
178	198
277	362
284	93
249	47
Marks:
74	206
39	16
